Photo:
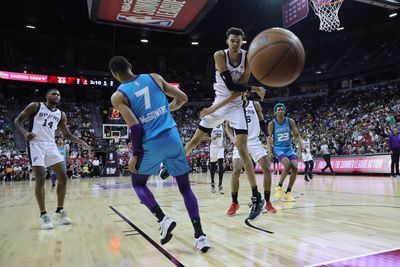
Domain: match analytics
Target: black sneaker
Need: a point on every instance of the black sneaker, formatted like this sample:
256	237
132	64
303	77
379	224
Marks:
163	173
306	178
257	206
310	175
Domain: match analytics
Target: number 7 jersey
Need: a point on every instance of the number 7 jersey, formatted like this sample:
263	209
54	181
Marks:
44	123
282	133
149	104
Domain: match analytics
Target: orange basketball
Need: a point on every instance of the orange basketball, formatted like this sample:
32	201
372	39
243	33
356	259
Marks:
276	57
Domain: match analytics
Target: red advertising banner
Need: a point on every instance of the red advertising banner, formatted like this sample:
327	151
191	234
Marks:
356	164
24	77
171	15
293	11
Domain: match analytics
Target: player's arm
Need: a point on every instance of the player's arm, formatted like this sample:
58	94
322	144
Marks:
297	137
31	109
246	74
120	103
270	139
67	153
68	135
229	132
260	115
179	97
220	65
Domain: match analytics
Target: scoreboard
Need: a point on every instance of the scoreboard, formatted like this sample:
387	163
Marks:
67	80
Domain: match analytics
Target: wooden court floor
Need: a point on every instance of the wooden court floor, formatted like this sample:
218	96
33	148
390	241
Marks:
335	217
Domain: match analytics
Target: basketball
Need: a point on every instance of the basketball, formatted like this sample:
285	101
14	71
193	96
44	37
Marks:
276	57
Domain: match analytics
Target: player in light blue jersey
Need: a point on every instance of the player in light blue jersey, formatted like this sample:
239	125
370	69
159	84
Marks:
280	132
142	101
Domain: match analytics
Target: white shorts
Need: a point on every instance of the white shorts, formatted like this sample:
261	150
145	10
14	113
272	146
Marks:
256	150
233	113
44	154
216	153
306	157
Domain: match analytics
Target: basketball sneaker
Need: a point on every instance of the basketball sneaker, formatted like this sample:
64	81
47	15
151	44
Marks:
310	175
269	207
232	209
62	217
163	173
46	222
278	192
166	227
221	190
202	244
213	188
306	178
256	208
288	197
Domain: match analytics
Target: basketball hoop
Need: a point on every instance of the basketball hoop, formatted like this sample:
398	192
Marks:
116	139
328	13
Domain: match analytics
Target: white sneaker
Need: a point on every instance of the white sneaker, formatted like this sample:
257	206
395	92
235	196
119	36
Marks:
46	222
166	227
202	244
62	217
221	190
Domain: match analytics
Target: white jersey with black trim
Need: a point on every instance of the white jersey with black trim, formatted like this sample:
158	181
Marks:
218	134
253	124
221	91
44	123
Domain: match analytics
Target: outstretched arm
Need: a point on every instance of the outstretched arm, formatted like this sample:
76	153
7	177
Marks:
67	134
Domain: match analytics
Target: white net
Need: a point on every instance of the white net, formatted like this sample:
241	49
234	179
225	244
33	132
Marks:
328	13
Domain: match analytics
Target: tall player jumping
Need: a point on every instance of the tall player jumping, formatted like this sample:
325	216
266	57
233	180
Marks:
45	118
280	130
232	73
142	101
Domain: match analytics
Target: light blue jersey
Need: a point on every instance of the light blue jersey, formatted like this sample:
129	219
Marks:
161	141
149	104
283	140
282	135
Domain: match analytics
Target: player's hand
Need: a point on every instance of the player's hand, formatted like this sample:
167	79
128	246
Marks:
205	112
29	136
299	156
132	164
260	91
270	140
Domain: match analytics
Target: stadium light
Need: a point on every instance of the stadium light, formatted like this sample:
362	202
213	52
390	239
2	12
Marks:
340	28
30	27
244	42
195	43
392	15
144	41
318	72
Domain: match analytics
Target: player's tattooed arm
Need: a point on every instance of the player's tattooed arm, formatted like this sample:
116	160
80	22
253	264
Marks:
297	137
229	132
270	139
179	97
25	115
68	135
